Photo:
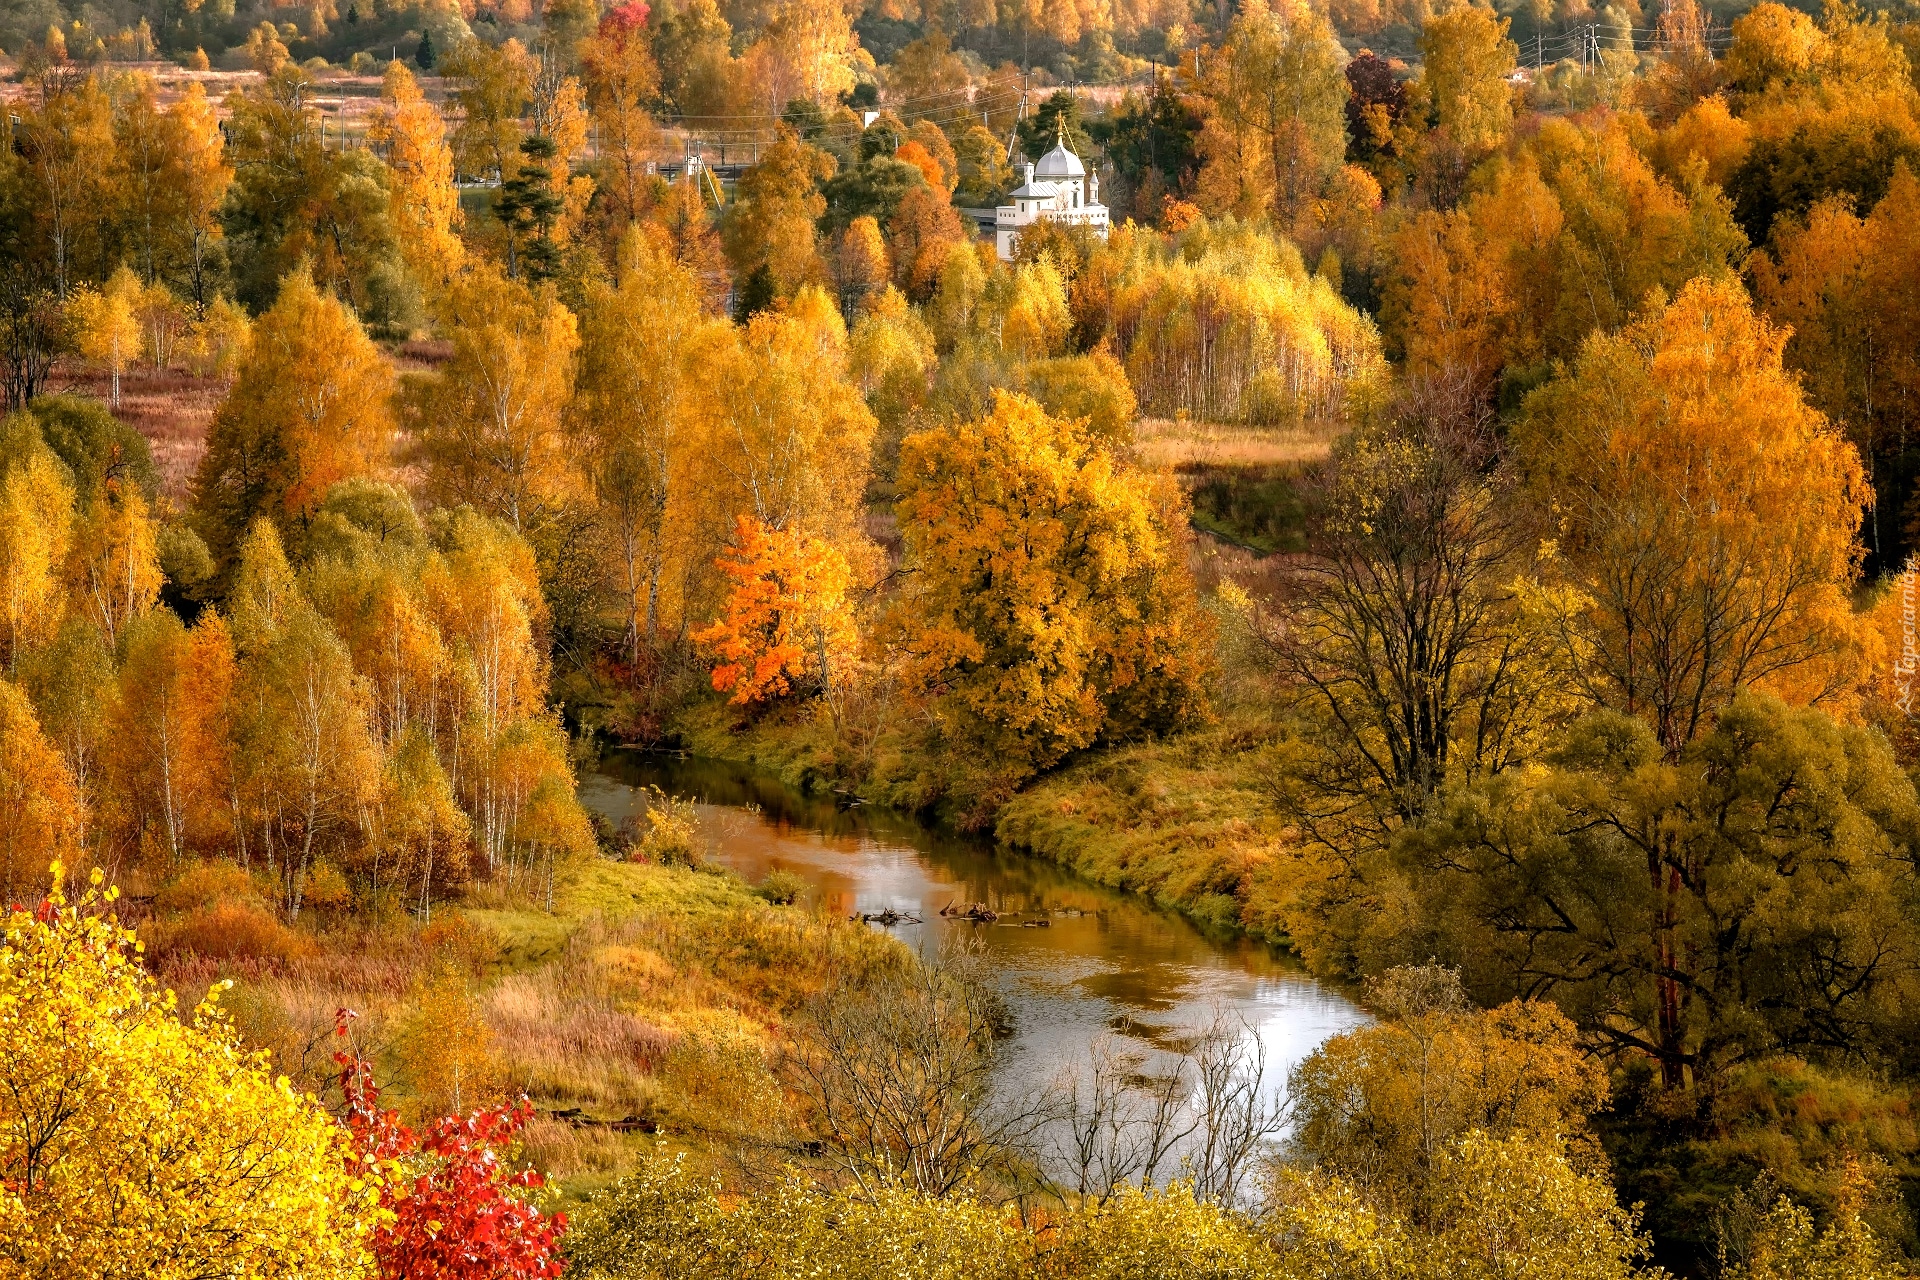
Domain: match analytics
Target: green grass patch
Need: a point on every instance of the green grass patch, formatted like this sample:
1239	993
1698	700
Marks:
1260	508
1189	822
530	936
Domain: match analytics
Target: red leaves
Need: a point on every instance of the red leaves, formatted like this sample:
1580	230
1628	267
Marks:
460	1218
624	19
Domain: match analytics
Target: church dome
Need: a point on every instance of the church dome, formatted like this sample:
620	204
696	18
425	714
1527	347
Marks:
1059	163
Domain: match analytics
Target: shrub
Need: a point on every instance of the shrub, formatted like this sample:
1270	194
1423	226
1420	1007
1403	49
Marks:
669	831
138	1142
782	887
1091	389
231	931
203	884
326	889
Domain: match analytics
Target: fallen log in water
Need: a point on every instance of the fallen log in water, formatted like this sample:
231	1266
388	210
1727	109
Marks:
888	918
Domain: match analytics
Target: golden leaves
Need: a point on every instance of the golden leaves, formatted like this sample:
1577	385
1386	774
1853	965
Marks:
137	1144
1047	602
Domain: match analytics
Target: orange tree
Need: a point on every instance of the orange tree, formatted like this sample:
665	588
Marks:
785	619
1707	515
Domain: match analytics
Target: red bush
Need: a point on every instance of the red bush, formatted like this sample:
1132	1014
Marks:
458	1216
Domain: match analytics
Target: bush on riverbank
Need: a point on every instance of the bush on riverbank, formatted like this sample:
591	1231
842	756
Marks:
1501	1207
1190	820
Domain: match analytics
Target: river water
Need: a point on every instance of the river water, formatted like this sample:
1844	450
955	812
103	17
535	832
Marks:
1076	961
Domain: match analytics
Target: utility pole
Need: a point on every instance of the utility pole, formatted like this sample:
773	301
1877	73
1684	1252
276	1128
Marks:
1153	127
1013	135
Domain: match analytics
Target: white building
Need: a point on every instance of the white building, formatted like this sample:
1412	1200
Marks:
1058	189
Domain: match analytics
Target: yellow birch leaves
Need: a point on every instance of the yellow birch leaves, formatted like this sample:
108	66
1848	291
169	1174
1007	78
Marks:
138	1143
425	202
1049	602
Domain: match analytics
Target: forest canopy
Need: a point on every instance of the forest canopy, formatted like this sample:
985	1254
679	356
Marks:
1428	487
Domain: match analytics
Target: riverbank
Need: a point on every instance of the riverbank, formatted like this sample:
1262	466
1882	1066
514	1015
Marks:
1081	969
643	1000
1188	822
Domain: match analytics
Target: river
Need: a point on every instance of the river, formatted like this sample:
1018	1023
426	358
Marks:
1075	960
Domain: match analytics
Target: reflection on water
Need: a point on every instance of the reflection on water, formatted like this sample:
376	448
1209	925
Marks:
1076	959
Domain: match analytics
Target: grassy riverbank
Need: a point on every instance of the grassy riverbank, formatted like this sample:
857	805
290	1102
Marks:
1189	822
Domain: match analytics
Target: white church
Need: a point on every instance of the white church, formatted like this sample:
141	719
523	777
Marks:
1058	189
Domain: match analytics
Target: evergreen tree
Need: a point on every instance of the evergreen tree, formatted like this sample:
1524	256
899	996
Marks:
424	56
527	207
758	294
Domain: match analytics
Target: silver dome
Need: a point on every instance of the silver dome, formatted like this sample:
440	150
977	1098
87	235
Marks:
1059	163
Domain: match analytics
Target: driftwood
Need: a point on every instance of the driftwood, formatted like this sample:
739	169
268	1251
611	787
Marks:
1036	924
888	918
581	1120
976	911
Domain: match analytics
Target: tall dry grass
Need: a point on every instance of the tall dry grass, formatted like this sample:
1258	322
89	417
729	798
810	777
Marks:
1185	445
172	408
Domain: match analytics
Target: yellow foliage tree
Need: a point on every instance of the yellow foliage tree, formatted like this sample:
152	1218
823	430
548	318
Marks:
1569	235
1447	311
201	177
640	411
492	84
167	758
860	263
217	340
1467	59
67	145
42	812
422	825
622	81
106	326
788	440
1516	1206
1708	515
446	1048
558	112
1279	345
114	565
1275	130
889	355
1849	289
1379	1105
425	203
1788	1247
312	406
138	1142
1773	46
1034	320
488	423
36	524
771	222
1049	602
